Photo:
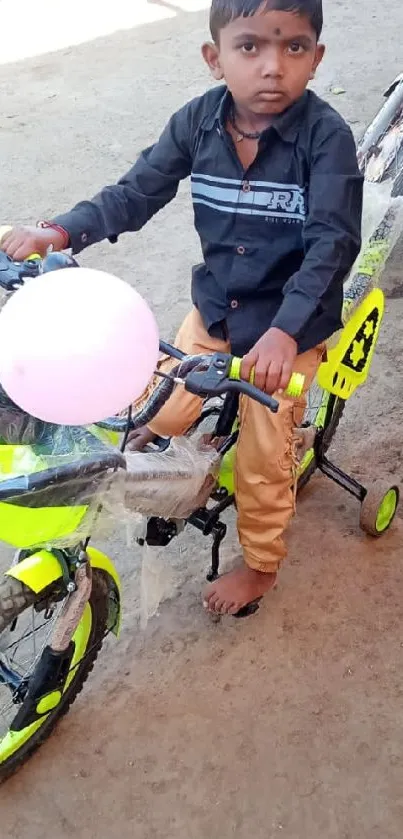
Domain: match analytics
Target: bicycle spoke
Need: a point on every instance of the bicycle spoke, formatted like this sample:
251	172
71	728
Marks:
6	710
24	637
21	657
314	403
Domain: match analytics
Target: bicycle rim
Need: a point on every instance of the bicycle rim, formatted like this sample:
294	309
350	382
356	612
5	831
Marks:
315	417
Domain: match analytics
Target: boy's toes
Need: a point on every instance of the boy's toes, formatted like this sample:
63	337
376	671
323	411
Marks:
237	589
210	602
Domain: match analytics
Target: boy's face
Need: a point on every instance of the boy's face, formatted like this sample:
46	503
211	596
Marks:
266	60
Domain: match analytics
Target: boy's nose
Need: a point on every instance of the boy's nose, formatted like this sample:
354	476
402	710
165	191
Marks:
272	66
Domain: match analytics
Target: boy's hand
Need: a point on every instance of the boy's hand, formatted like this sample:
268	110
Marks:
272	359
21	242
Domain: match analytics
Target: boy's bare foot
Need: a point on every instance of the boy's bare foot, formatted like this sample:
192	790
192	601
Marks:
233	591
139	439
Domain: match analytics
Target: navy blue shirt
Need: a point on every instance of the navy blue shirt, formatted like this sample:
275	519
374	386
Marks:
278	239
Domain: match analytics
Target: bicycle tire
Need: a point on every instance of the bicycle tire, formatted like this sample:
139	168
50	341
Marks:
14	599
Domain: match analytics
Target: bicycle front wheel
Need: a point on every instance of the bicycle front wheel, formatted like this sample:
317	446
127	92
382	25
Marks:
27	621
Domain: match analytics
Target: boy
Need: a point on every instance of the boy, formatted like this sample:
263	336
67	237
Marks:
277	200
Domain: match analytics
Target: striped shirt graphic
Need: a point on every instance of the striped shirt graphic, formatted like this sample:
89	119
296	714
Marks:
262	198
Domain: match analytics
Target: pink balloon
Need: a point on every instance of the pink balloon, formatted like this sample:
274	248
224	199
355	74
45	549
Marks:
76	346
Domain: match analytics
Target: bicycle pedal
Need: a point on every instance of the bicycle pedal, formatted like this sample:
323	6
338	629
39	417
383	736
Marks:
249	610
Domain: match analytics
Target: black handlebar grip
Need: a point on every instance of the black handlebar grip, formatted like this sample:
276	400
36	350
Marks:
257	395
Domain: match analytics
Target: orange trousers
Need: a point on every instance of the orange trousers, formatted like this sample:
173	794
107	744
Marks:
265	460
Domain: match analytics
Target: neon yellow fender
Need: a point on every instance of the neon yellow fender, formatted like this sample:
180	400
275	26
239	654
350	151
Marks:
40	570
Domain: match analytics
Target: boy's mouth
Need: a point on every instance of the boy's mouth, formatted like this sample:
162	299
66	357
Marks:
270	95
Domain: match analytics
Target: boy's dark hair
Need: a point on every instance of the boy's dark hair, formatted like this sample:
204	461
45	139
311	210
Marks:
224	12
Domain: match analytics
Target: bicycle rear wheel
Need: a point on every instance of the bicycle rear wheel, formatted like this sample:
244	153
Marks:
323	414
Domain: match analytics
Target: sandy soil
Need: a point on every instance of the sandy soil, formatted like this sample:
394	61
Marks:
289	724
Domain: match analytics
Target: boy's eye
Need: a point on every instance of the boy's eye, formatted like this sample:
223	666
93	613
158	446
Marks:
295	48
249	48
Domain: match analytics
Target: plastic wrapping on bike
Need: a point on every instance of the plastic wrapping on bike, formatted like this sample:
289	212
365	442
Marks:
61	484
382	226
53	480
171	484
15	425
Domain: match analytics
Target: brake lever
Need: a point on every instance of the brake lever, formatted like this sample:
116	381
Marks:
247	389
13	274
215	381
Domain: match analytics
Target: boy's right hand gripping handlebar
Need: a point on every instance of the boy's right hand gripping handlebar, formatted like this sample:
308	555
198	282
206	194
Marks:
294	389
223	376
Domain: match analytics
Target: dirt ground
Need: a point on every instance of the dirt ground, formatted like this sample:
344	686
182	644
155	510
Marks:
289	724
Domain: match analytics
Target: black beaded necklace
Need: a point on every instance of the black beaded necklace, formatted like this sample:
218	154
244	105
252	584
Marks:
243	135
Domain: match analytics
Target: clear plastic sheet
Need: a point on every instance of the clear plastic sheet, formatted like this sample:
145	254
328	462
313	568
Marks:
52	479
158	582
377	200
382	226
17	427
170	484
60	484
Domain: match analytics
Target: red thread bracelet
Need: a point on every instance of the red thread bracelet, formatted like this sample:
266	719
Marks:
48	225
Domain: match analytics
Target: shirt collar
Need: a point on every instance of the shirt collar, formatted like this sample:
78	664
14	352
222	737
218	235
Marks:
219	114
286	124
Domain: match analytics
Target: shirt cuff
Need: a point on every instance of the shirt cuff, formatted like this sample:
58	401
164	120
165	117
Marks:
80	233
294	313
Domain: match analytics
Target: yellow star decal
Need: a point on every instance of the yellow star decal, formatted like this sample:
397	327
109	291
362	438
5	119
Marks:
369	328
357	352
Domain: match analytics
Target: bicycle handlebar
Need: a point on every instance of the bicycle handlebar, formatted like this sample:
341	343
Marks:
203	375
223	375
294	389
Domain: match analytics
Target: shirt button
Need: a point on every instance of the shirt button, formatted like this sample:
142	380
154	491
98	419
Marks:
84	237
240	250
246	186
234	304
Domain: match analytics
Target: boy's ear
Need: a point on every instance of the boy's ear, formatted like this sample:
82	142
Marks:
320	51
211	55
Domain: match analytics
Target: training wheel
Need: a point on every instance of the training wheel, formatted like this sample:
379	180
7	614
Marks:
378	508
